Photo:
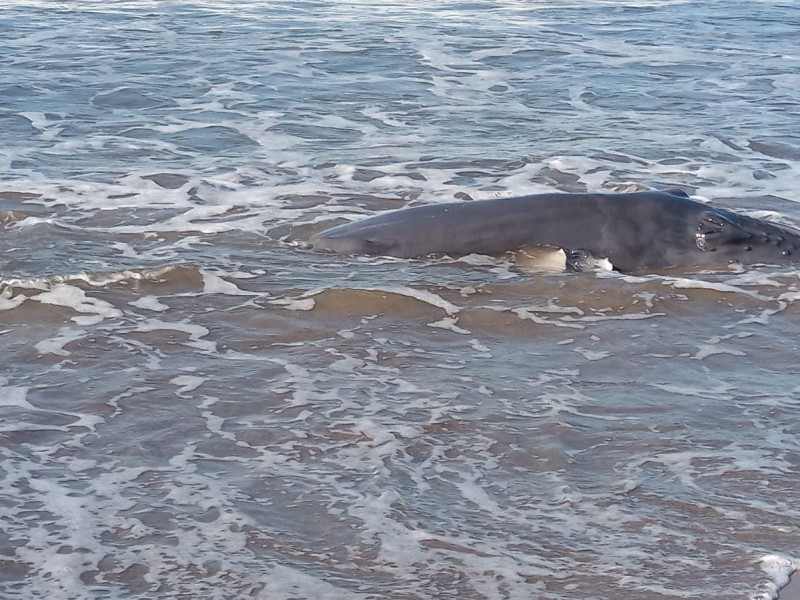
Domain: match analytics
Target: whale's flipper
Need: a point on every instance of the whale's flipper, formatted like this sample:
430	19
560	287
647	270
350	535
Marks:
541	258
583	260
552	259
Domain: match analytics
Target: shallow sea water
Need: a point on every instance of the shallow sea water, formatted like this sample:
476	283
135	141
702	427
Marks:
193	404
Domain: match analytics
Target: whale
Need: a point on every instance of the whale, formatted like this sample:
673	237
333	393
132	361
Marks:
648	230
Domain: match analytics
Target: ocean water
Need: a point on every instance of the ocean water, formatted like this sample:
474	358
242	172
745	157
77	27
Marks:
194	404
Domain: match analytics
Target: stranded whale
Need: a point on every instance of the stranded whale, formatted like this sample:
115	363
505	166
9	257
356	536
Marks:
634	231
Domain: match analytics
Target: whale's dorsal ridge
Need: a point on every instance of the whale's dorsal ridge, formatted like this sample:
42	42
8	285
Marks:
676	192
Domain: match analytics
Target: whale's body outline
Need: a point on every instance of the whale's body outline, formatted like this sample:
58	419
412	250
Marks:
634	231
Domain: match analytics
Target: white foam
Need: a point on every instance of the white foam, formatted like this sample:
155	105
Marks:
285	582
687	283
12	395
195	332
448	323
530	314
592	355
92	279
214	284
55	345
301	304
187	383
149	303
8	301
422	295
73	297
714	346
778	570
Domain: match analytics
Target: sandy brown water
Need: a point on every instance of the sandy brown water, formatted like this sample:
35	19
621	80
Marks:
410	428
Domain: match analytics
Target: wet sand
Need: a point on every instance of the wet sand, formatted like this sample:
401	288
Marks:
792	590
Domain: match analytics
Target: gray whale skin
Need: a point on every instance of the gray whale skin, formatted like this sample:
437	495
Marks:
634	231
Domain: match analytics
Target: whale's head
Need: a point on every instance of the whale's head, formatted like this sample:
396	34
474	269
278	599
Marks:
404	233
351	245
734	237
354	238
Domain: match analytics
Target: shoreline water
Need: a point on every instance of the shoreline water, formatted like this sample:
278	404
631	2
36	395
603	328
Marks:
194	403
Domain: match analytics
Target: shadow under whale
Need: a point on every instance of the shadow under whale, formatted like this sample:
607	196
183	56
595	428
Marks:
635	231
